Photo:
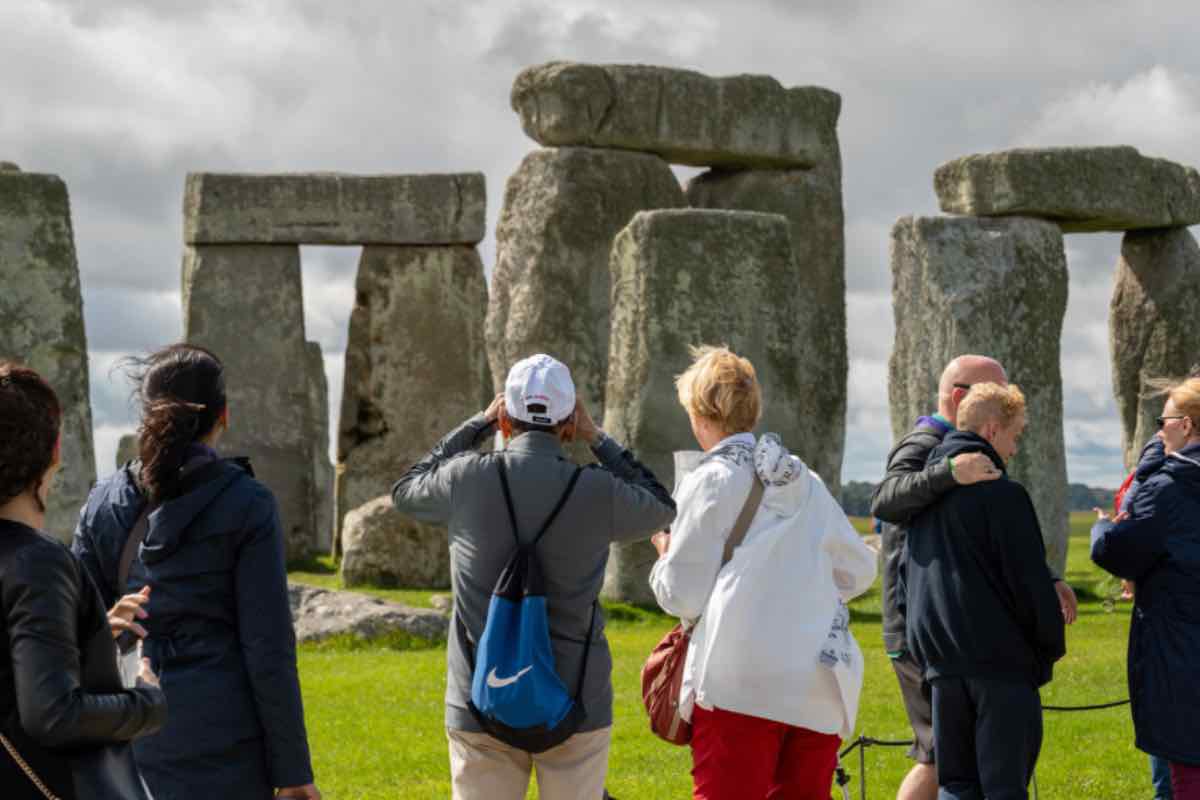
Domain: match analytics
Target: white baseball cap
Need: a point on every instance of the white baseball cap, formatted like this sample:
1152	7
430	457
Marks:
539	380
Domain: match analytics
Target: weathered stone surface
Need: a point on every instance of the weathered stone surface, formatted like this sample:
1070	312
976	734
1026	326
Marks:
244	303
683	116
1081	188
127	449
322	467
416	363
41	323
550	288
1152	325
319	614
382	547
689	277
812	202
996	287
331	208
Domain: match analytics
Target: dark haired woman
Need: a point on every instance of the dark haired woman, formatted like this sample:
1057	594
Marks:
205	536
65	720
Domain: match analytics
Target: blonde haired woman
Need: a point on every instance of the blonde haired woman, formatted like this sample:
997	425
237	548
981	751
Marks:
773	676
1155	542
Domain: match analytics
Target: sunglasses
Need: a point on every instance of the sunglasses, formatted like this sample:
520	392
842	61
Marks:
1163	420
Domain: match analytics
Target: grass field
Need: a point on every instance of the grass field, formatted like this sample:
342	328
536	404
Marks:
375	715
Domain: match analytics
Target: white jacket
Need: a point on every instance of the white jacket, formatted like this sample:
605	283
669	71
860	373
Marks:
766	616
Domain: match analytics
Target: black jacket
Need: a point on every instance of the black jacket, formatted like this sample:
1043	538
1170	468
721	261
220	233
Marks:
912	484
981	600
1158	546
220	631
61	700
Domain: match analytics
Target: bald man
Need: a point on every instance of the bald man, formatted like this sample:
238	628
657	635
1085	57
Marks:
909	487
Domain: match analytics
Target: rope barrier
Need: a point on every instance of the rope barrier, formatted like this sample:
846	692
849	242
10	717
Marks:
842	778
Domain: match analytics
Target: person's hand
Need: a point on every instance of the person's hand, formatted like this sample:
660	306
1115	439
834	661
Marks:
585	427
146	675
308	791
1067	601
1127	588
121	616
971	468
492	412
1102	515
661	542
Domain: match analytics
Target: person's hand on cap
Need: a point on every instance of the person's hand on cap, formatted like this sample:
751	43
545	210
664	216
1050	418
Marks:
585	428
492	412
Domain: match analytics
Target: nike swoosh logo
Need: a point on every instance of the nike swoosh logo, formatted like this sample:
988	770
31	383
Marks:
498	683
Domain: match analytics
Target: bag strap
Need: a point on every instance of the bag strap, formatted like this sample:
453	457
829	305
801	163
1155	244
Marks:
28	770
587	649
137	535
512	514
749	509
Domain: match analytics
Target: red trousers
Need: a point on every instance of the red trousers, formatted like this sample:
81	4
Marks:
739	757
1185	781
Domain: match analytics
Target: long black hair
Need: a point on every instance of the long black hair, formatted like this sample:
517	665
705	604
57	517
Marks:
181	390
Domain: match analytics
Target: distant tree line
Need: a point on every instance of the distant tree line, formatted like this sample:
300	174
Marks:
856	497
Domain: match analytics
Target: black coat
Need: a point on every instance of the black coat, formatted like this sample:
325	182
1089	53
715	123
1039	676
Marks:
1158	547
220	632
62	705
981	600
912	484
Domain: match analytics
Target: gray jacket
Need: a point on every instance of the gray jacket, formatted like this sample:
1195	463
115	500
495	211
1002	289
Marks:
616	500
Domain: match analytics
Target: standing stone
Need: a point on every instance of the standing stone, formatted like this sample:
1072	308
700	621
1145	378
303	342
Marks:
1152	325
812	202
244	303
550	288
322	467
41	323
691	277
683	116
330	208
127	449
1082	188
415	363
996	287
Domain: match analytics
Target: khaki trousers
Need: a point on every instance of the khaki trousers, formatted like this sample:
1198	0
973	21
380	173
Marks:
484	768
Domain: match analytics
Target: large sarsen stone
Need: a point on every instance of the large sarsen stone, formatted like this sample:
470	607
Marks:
550	288
331	208
683	116
41	323
1081	188
1152	325
416	364
996	287
690	277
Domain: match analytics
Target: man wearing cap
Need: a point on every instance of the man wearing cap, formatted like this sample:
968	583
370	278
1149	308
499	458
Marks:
615	500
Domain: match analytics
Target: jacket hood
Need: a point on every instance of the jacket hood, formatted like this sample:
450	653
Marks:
779	469
1151	459
965	442
170	521
1184	465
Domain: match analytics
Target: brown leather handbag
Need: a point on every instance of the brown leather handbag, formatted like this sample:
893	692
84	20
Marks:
662	674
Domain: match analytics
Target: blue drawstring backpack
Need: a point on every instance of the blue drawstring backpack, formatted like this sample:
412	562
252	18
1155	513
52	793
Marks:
516	694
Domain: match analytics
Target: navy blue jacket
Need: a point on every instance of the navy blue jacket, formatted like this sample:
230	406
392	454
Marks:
1158	547
220	631
981	600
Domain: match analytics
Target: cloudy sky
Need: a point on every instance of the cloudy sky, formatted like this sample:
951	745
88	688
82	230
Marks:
123	97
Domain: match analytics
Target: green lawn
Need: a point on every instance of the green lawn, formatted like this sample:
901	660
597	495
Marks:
375	716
